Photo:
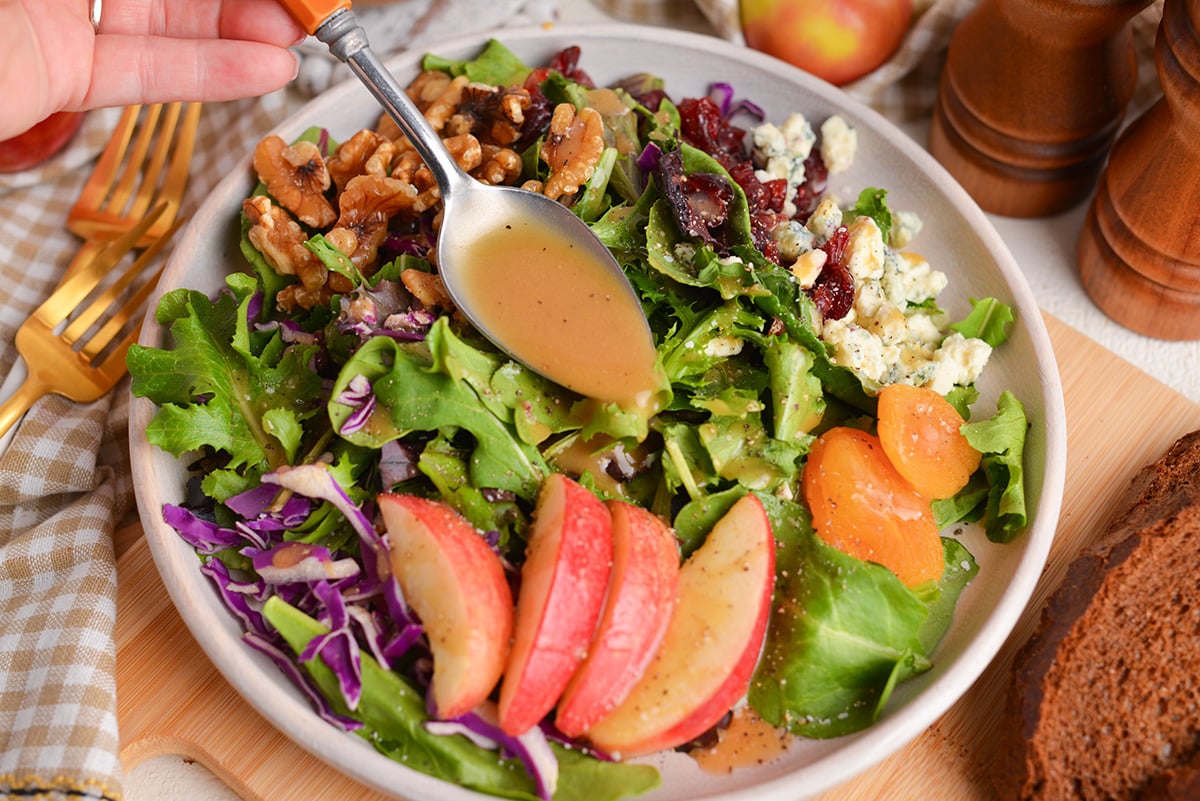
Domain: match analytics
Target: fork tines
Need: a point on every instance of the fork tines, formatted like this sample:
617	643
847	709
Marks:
81	333
145	160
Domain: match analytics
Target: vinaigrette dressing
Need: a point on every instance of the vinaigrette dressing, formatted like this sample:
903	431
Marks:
557	308
747	741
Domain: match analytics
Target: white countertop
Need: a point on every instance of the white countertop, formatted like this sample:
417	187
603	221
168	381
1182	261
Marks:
1045	250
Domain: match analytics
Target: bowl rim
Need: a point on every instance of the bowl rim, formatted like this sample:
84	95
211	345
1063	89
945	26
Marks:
355	758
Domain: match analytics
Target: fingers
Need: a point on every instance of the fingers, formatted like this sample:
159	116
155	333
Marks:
263	21
132	69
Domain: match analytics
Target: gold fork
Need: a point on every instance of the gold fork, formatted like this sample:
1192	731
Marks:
132	173
86	359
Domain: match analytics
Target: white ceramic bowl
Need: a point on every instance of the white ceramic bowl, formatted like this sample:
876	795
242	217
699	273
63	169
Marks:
957	238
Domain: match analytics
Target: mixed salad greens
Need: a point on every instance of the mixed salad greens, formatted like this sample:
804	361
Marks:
296	417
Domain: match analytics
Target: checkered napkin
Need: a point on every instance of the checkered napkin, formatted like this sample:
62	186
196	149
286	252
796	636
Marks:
65	487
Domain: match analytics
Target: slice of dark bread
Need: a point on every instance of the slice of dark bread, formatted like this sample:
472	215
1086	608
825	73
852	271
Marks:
1105	696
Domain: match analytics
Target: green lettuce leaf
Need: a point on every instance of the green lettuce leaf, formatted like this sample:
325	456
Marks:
495	65
219	385
989	320
1001	440
412	394
393	713
843	632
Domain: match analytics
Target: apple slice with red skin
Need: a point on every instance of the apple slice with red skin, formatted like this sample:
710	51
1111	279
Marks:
641	597
712	644
456	584
564	580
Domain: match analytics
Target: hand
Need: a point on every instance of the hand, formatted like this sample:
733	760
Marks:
147	51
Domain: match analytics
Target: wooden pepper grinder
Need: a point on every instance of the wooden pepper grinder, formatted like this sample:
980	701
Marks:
1031	98
1139	251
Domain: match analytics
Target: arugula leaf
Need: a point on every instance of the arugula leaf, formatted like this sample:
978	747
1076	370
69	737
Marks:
797	401
691	353
1001	440
989	320
539	406
495	65
214	389
741	450
412	394
334	260
447	467
872	202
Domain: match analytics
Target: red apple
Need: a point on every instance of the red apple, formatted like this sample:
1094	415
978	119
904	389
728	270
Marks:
455	582
568	560
40	142
641	596
837	40
711	646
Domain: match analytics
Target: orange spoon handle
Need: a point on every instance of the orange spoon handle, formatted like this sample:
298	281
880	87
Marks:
311	13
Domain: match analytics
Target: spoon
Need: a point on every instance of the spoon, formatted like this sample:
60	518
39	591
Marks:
521	267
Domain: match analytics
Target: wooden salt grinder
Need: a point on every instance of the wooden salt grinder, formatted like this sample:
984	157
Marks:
1139	251
1031	98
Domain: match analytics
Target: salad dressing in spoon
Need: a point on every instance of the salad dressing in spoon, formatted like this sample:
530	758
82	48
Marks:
527	273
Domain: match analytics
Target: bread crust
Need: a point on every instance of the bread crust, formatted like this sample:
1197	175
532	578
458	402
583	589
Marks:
1104	696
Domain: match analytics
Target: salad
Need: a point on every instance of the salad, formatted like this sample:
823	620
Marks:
518	589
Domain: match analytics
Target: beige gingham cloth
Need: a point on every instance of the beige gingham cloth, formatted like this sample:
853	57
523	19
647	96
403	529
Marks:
64	478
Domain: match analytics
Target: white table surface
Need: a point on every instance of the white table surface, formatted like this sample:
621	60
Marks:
1045	250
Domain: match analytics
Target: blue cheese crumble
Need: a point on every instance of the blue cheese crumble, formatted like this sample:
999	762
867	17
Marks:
893	333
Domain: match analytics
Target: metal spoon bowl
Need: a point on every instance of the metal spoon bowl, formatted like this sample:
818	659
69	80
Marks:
622	370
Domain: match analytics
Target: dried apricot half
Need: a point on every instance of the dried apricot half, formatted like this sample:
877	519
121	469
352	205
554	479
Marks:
862	506
919	431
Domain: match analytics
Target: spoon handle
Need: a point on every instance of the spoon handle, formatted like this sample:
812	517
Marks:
334	23
311	13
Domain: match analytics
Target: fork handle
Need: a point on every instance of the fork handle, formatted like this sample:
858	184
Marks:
27	394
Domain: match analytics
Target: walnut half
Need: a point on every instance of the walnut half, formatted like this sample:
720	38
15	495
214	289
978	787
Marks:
296	176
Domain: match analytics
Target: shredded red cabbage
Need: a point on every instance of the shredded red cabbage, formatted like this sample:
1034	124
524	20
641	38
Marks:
237	595
203	535
358	396
301	680
647	160
290	562
337	647
531	748
723	94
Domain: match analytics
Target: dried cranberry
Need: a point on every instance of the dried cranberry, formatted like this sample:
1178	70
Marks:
833	291
652	99
765	200
566	61
537	119
703	126
700	201
761	195
808	194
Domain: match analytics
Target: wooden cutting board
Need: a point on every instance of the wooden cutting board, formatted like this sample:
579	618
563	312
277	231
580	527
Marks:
171	700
